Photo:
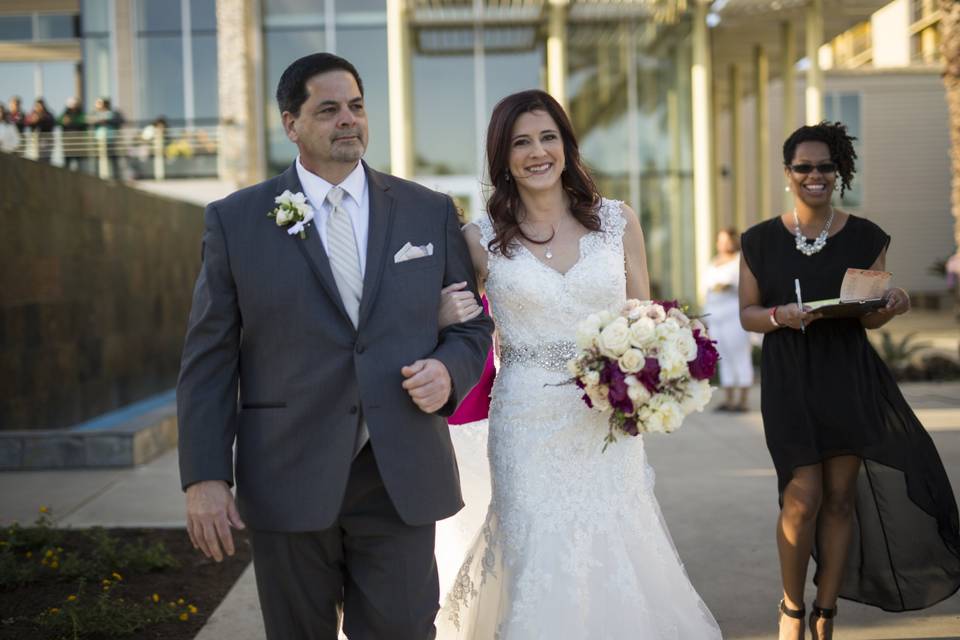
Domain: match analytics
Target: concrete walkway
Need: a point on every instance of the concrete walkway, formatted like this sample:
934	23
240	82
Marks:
715	484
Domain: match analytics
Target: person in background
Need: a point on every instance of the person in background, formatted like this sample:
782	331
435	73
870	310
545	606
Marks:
16	116
9	136
42	123
106	127
73	122
861	484
723	318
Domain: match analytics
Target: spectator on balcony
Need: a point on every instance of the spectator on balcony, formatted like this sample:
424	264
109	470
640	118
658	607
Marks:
9	136
106	123
16	116
74	124
41	122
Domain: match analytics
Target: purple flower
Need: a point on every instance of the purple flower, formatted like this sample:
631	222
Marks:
649	376
705	364
630	427
579	384
668	304
587	400
615	379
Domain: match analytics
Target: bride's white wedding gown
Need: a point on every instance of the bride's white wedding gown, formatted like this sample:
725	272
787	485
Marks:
574	546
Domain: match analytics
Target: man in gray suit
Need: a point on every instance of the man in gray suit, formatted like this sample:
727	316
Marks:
320	356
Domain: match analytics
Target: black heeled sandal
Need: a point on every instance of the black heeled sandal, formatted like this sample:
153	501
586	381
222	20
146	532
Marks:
826	614
796	614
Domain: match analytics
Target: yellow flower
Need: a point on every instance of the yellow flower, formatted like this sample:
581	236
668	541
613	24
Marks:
29	554
184	617
48	553
192	609
117	576
155	598
180	601
54	565
106	588
54	611
105	581
71	598
44	510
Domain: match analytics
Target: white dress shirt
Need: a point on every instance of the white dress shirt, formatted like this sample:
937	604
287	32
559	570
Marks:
357	204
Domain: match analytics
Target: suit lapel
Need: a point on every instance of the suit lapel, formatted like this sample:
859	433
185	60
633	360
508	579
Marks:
381	225
311	247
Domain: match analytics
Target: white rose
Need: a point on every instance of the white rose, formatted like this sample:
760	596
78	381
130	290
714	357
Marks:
697	397
284	198
686	346
637	393
655	312
653	422
605	318
599	397
615	338
573	367
679	316
631	361
642	332
591	378
697	325
306	211
284	216
672	365
670	414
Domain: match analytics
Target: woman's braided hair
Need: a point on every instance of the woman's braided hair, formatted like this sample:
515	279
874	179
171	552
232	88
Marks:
840	143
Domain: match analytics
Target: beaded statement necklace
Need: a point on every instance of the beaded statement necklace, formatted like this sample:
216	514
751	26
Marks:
818	244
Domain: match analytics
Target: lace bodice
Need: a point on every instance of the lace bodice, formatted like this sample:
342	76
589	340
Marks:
534	304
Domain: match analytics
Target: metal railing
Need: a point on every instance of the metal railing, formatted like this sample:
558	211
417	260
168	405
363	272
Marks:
129	152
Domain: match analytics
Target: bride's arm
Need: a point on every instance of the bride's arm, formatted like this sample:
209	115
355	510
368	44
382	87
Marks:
456	304
635	256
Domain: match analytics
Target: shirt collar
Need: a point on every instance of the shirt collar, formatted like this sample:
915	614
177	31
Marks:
317	188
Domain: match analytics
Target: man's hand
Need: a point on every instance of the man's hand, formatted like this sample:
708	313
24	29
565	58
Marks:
428	383
211	512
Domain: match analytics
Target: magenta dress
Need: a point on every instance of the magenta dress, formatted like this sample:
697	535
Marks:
477	403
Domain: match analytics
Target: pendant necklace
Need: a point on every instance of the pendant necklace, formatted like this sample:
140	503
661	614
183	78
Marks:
548	254
819	243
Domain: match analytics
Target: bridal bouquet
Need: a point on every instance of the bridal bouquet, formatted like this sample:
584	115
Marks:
648	366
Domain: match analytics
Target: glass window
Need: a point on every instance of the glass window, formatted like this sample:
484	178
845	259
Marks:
18	79
361	6
281	47
292	13
57	27
203	15
161	77
97	75
845	107
205	77
59	83
16	28
367	50
95	16
158	16
443	114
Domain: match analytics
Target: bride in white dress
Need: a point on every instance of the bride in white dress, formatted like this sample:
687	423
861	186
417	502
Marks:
574	545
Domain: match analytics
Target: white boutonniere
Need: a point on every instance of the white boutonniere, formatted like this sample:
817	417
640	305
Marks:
292	209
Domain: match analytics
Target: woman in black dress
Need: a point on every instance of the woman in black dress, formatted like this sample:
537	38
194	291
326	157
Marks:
861	485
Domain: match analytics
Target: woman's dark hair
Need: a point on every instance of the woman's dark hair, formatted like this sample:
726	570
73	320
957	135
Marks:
840	143
292	88
504	205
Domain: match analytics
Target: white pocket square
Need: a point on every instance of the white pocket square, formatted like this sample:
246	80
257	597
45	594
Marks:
412	252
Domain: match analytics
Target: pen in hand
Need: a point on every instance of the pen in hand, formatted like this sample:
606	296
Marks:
796	286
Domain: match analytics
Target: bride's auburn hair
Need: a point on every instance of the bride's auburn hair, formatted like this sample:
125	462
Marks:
504	205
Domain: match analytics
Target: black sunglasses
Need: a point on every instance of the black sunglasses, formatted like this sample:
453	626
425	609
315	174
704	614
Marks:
805	168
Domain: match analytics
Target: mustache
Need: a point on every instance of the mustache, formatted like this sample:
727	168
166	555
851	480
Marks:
348	134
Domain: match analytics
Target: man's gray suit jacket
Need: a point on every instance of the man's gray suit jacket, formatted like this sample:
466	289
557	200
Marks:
272	363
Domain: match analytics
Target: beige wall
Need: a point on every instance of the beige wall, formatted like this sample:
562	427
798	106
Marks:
904	165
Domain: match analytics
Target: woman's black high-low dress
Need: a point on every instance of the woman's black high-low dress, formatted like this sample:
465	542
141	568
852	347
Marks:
827	393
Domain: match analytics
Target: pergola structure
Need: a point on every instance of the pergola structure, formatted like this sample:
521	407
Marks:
738	46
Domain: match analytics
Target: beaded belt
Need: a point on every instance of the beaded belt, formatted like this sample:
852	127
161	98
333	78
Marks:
548	355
